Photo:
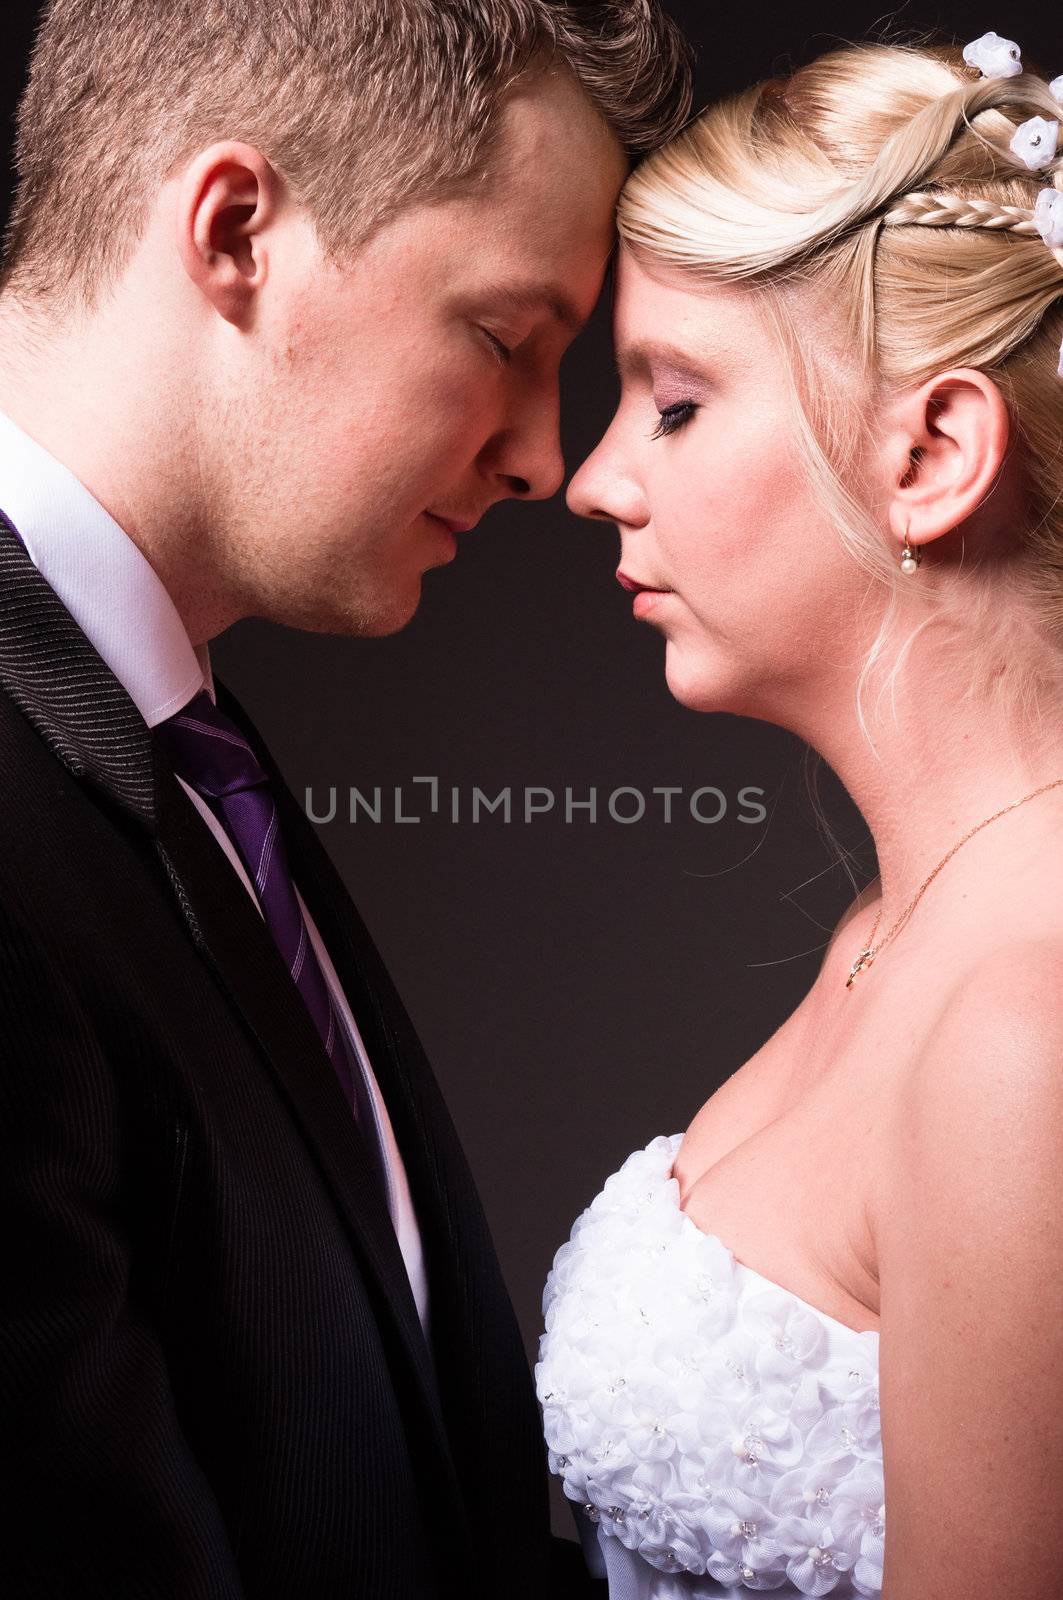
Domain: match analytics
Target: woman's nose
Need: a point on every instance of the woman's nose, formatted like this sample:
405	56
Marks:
603	489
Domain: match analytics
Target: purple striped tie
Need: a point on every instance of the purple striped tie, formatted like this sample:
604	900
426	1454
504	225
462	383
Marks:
212	755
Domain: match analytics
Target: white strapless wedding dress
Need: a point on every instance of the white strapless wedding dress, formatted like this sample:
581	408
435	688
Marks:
722	1434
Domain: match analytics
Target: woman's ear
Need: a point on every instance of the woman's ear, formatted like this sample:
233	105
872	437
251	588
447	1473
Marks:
948	440
225	201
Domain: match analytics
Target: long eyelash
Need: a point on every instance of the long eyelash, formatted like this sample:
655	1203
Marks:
673	417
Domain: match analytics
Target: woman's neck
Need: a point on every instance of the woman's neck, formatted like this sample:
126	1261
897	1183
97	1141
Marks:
946	763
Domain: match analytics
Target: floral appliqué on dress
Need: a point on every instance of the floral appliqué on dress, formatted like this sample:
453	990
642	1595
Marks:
708	1419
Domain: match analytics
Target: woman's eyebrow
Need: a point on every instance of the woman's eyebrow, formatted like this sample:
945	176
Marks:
641	356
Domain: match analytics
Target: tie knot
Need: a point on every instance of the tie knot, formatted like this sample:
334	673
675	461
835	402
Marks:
208	750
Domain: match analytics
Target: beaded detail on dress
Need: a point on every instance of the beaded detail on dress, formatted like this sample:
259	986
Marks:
708	1419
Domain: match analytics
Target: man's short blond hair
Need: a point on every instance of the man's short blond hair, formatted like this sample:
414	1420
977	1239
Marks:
363	106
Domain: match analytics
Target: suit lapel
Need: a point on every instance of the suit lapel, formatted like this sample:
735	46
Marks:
493	1421
421	1121
65	689
232	938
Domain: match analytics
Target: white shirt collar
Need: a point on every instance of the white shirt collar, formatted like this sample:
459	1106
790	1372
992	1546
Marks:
109	587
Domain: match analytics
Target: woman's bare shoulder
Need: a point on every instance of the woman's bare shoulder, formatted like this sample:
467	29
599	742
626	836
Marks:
968	1233
990	1066
1007	1006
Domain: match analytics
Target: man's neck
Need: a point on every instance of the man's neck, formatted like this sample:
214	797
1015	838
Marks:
103	406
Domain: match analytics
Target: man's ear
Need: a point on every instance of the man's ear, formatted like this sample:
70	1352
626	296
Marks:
948	441
226	198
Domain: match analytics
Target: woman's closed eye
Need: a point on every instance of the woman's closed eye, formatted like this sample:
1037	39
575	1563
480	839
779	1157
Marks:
671	417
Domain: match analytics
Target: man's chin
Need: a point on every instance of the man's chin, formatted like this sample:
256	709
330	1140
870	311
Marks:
361	610
372	616
382	626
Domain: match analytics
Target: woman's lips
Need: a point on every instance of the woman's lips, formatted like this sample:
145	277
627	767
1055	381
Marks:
647	600
646	597
636	587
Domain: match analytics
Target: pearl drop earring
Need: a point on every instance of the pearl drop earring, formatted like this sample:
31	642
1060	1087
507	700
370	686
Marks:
910	558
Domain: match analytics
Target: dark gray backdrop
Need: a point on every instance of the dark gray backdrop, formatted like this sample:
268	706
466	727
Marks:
580	985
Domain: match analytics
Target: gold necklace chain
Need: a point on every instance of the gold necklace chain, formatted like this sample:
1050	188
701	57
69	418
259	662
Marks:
871	950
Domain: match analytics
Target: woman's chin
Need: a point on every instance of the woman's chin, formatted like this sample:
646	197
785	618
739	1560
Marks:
696	684
722	694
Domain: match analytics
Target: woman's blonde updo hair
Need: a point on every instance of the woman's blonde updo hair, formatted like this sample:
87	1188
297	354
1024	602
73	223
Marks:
879	180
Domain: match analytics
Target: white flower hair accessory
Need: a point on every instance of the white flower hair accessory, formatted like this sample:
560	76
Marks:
993	56
1035	142
1055	89
1048	218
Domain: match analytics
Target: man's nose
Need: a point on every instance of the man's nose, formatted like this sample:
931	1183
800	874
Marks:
527	454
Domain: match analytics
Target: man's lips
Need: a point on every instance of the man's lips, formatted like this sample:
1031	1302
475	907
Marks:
453	524
633	586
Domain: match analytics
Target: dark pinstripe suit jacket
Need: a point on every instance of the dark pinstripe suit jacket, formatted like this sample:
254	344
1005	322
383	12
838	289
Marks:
214	1380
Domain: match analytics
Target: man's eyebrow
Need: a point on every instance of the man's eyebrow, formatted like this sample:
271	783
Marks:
539	297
